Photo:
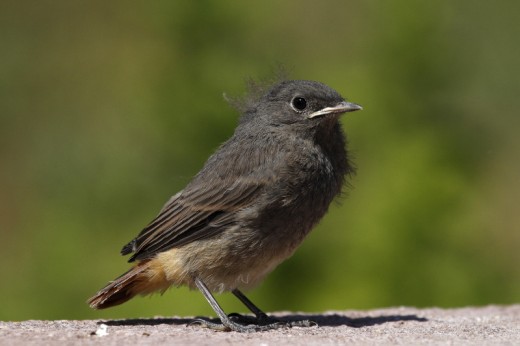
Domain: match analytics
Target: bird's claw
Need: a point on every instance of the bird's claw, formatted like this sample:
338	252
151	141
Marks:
248	324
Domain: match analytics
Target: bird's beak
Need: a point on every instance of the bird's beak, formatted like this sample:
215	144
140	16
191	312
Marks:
341	107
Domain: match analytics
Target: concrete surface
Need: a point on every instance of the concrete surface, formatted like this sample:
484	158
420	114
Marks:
490	325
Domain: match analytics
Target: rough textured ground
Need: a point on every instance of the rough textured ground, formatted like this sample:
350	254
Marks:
491	325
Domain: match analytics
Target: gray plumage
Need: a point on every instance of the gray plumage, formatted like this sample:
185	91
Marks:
257	196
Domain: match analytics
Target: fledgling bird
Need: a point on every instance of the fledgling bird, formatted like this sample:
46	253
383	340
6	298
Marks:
249	208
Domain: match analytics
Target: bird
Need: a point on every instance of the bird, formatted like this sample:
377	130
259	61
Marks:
250	206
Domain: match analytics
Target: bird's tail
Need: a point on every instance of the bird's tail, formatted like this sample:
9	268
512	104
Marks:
141	279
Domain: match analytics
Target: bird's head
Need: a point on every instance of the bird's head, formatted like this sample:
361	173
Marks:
298	103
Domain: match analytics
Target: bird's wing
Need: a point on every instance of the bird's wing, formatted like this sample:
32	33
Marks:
200	211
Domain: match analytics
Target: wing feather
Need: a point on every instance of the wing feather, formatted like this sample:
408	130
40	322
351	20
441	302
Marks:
194	214
211	202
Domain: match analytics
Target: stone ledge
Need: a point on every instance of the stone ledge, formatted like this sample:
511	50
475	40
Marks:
496	325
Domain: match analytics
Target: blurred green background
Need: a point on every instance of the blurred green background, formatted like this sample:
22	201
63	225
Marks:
108	108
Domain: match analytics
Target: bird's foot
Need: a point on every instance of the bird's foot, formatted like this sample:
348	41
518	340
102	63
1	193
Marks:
248	324
229	325
263	320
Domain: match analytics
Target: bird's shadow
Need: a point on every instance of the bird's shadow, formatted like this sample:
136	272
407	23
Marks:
329	320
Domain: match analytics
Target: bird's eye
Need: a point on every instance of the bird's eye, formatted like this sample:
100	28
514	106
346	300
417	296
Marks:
299	103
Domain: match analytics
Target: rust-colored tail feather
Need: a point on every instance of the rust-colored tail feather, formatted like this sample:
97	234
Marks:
121	289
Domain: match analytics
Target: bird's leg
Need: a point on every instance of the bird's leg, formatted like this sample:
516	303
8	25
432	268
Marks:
262	318
227	323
